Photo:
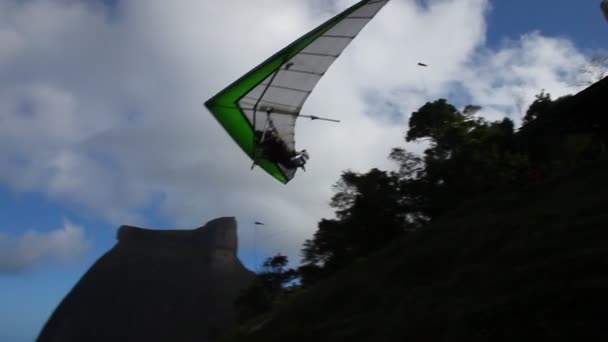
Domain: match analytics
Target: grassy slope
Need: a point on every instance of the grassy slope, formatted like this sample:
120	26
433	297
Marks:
528	266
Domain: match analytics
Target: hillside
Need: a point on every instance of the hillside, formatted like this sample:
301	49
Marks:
523	266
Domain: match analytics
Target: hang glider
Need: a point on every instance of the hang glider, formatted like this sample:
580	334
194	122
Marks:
423	64
260	109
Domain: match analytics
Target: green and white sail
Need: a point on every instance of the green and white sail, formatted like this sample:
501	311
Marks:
280	85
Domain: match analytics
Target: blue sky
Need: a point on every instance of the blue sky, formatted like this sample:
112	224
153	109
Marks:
580	21
63	194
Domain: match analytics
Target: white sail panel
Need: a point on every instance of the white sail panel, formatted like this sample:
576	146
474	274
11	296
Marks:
284	92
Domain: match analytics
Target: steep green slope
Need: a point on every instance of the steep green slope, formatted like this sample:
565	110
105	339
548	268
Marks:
523	266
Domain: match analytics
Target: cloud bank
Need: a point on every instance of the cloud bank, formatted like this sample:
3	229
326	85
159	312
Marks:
64	244
102	108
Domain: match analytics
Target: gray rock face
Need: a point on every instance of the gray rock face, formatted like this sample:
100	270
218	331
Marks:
156	285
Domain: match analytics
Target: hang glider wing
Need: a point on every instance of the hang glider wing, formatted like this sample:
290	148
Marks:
278	88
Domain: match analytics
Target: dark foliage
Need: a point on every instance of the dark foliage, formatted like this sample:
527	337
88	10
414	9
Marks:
467	157
266	288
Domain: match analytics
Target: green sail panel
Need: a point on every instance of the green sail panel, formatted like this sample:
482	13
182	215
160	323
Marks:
280	85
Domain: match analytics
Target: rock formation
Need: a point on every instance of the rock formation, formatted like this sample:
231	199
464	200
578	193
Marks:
156	285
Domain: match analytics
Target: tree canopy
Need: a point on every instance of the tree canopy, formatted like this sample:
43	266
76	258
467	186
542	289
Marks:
467	156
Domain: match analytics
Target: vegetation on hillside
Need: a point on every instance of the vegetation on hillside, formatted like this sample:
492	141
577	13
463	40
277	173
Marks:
480	186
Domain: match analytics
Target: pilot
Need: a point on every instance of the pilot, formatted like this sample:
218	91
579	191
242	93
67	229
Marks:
300	159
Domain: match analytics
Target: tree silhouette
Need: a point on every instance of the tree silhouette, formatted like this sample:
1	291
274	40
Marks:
267	287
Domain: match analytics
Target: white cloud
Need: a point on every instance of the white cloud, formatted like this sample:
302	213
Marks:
105	112
507	80
18	253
